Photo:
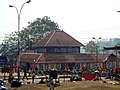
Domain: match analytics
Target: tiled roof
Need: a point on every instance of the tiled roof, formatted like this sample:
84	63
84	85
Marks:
101	56
30	57
112	57
58	58
58	38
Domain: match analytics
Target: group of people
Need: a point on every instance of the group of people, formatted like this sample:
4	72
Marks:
51	82
25	75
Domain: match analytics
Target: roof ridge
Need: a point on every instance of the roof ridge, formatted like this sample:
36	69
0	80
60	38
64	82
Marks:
50	38
73	38
38	58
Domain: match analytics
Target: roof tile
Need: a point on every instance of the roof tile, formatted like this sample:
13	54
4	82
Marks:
58	38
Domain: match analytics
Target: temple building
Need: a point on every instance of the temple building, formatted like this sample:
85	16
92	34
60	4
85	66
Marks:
61	51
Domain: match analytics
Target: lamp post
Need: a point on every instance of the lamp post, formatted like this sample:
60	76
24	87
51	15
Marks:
96	40
18	47
117	63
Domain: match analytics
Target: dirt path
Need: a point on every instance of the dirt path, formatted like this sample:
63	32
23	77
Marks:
88	85
80	85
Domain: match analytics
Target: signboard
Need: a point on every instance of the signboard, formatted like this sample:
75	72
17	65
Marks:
3	60
59	49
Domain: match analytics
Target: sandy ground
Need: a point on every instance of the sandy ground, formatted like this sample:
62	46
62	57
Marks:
78	85
89	85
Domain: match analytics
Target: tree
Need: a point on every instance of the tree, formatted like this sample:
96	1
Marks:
35	31
91	47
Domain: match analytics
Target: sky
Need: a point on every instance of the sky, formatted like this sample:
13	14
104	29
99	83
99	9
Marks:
82	19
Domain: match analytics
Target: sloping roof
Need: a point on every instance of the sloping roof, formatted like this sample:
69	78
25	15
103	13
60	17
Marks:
112	48
30	57
58	38
66	58
112	58
58	58
102	56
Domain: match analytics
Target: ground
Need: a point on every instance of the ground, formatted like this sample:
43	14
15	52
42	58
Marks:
78	85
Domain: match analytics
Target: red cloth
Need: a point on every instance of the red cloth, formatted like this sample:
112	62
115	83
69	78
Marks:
81	69
13	70
118	70
89	76
33	66
66	67
114	69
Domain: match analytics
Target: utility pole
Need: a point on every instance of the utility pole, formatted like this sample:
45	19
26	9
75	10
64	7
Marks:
19	13
96	40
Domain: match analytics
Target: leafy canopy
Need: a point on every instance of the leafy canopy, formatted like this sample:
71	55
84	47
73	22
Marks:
35	31
91	47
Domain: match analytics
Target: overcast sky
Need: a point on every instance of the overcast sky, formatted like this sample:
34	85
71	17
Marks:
82	19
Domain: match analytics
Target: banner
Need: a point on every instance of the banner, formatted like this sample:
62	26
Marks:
66	67
33	67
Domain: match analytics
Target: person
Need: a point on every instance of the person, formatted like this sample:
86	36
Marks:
51	84
25	74
33	76
29	71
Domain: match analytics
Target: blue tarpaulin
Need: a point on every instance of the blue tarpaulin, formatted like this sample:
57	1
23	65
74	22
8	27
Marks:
3	60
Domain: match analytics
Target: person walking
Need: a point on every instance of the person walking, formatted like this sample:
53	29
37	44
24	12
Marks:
33	76
51	84
25	74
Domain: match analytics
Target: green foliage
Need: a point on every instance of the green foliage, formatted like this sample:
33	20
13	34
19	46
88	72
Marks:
91	47
35	31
